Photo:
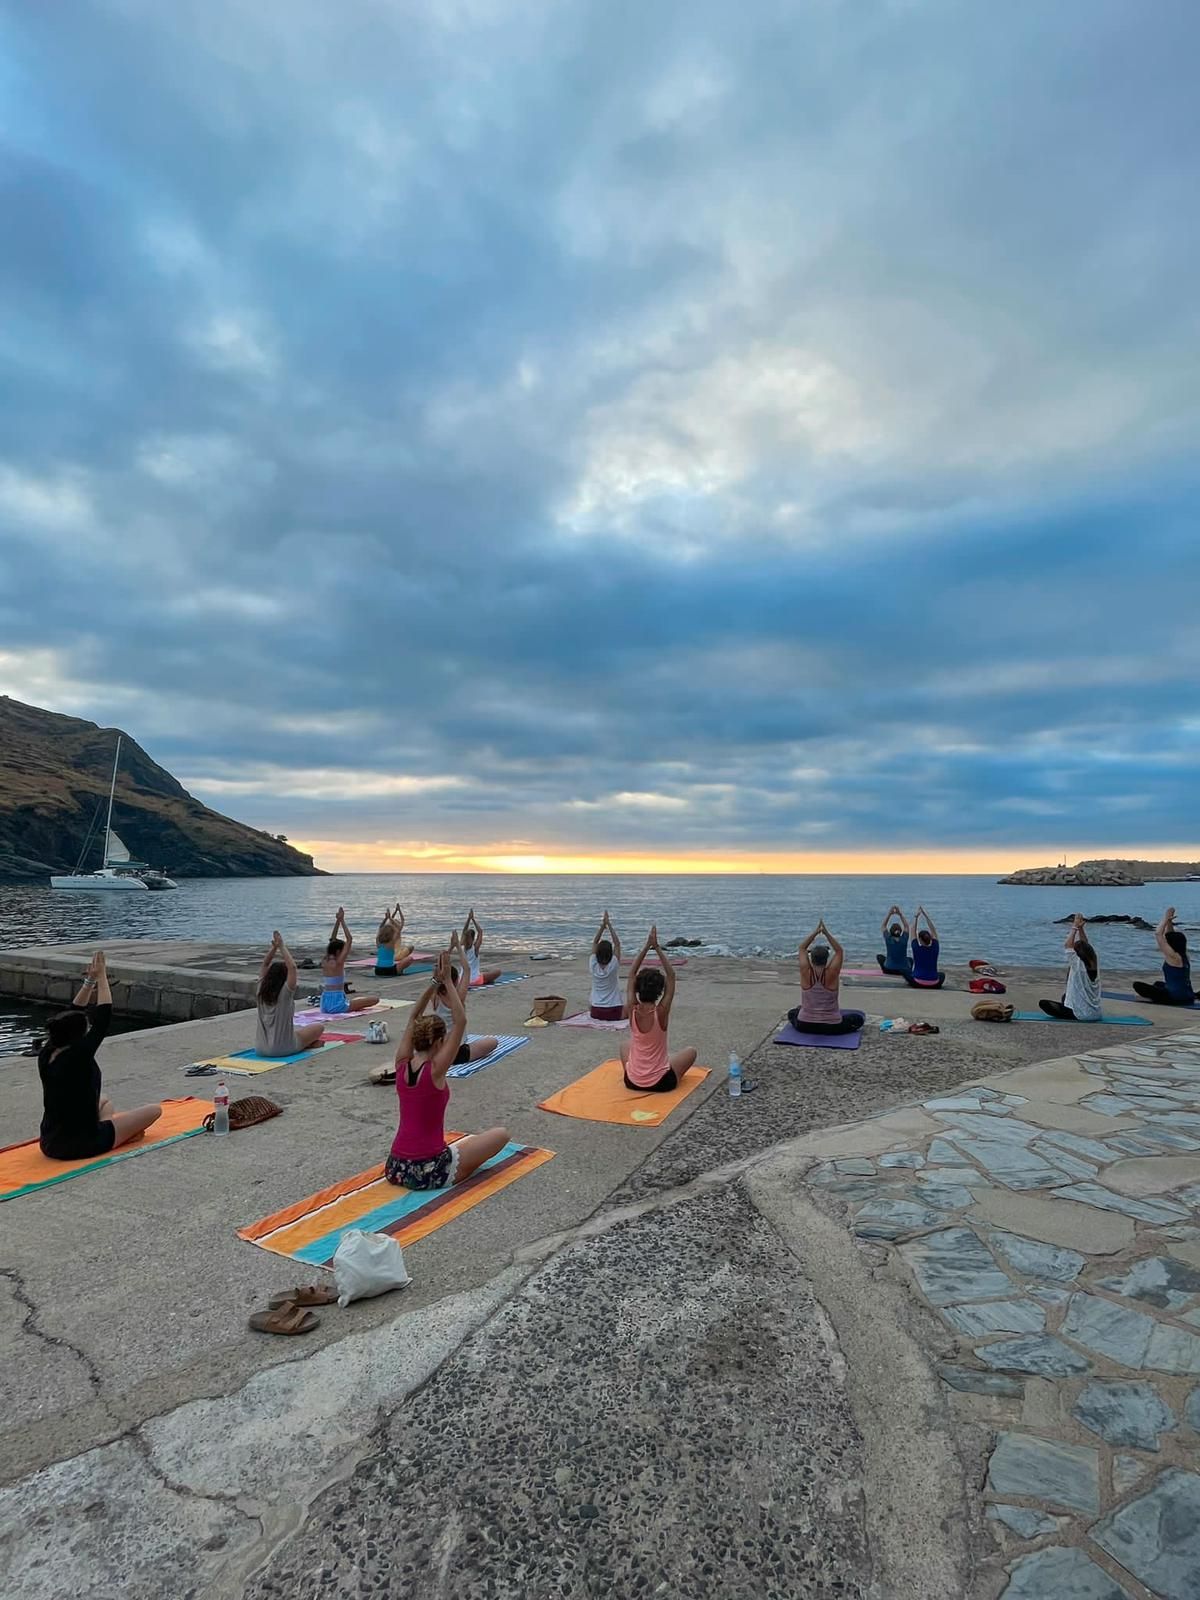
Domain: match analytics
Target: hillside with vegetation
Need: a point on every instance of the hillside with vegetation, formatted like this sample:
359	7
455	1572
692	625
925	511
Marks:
54	775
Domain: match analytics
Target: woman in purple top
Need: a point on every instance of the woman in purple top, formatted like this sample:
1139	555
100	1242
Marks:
925	952
820	972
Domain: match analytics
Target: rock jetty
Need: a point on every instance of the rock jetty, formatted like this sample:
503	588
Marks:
1084	876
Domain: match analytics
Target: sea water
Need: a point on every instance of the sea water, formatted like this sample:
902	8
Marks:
749	915
530	913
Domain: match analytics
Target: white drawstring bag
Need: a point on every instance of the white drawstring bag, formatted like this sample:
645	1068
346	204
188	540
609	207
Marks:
367	1264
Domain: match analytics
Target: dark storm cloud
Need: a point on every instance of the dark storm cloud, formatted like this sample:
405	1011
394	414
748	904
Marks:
687	428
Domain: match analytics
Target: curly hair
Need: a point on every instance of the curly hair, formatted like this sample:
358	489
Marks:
650	986
428	1033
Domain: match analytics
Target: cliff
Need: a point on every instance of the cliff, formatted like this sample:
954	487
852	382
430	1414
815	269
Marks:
55	771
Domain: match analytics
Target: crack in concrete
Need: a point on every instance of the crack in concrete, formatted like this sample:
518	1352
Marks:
31	1326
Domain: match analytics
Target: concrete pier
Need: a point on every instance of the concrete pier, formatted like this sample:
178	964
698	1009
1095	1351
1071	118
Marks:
671	1359
162	980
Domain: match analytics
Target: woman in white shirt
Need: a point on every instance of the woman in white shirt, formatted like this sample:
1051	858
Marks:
1081	1000
607	1002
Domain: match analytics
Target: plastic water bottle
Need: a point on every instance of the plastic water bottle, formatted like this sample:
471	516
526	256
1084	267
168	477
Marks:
735	1076
221	1108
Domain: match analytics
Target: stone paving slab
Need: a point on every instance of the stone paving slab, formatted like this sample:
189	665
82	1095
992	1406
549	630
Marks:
1069	1274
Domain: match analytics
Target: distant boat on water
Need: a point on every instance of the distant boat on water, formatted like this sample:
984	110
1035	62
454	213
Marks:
117	871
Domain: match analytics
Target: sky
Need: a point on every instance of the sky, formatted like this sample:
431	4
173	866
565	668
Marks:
521	435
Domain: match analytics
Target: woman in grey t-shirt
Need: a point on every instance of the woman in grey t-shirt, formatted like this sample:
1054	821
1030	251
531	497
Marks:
277	1033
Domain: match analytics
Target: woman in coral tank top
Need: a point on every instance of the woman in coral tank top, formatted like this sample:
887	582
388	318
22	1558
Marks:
648	1063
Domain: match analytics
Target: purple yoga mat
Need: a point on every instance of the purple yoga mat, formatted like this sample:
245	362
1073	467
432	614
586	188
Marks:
820	1041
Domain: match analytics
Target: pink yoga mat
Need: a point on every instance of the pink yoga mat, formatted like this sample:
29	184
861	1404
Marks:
315	1014
581	1019
820	1041
870	972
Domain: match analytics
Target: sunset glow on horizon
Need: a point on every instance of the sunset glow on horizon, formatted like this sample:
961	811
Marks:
412	857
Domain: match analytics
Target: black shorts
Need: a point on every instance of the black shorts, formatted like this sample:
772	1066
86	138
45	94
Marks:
462	1055
606	1013
665	1084
85	1148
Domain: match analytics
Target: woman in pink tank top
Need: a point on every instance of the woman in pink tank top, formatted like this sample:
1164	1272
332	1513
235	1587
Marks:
820	975
648	1063
420	1158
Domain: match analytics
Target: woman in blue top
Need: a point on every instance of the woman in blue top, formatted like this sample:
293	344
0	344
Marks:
1175	989
925	950
390	962
895	943
335	1002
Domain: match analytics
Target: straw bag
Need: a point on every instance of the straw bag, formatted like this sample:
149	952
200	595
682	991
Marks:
244	1113
548	1008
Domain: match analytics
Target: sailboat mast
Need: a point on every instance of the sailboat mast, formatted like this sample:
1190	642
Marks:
112	789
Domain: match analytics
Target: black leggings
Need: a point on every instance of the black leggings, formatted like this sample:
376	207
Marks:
1160	995
851	1022
1056	1008
913	984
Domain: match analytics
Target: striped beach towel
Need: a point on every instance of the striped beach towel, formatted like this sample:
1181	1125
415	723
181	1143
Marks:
506	1043
311	1230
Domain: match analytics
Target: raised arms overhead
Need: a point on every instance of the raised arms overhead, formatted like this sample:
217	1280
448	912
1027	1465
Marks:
631	986
668	972
1166	926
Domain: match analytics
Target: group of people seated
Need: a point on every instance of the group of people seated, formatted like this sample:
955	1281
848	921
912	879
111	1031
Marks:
80	1122
1081	997
911	951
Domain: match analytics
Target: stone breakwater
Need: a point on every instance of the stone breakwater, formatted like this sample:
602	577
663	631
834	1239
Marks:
1073	878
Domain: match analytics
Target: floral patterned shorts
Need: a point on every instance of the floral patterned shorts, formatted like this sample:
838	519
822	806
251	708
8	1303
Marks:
434	1172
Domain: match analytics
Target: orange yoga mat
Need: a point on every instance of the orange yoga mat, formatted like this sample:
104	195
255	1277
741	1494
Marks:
24	1168
601	1096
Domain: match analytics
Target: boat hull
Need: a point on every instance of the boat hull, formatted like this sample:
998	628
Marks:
99	882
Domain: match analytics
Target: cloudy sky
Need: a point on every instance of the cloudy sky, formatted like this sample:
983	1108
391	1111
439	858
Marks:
491	431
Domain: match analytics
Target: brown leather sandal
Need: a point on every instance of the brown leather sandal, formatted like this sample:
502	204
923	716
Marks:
313	1294
287	1319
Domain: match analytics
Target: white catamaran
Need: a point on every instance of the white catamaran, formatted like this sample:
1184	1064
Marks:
117	871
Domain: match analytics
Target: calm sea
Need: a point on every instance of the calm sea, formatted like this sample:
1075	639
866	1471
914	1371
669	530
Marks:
740	916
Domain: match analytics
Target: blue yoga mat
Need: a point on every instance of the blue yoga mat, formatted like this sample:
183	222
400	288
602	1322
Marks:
1122	1022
